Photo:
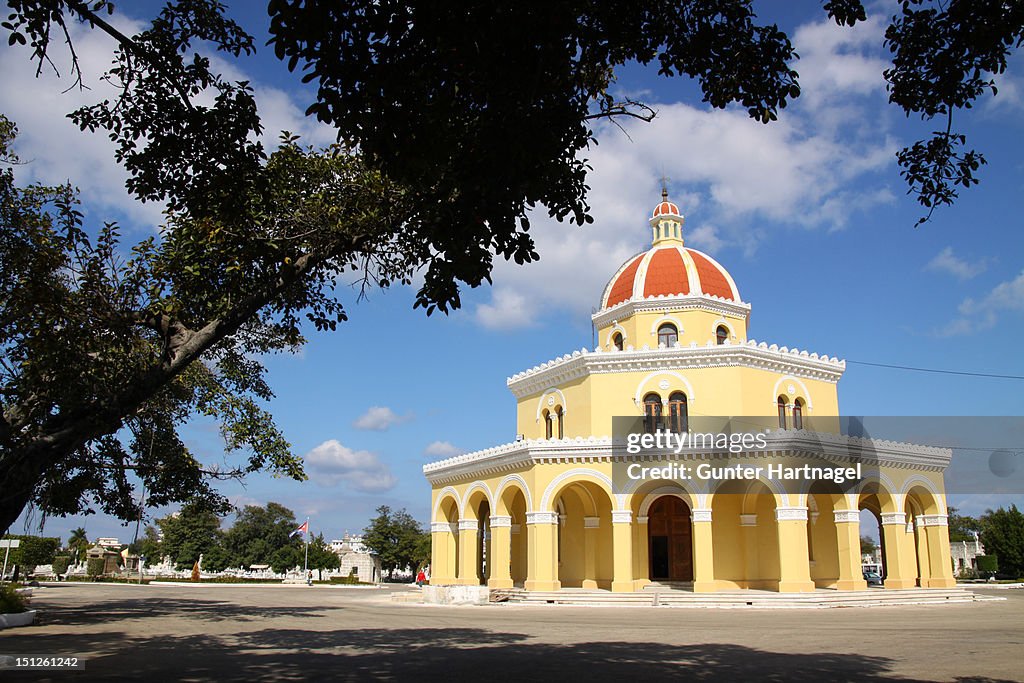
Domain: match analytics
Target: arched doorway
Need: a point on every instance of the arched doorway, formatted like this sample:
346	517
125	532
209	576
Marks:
670	540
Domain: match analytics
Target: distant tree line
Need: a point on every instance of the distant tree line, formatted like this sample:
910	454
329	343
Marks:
1000	531
262	535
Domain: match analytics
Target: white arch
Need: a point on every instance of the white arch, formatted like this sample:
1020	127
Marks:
678	491
690	395
476	485
523	485
549	392
545	499
914	480
723	323
773	486
667	319
803	387
885	483
611	333
441	495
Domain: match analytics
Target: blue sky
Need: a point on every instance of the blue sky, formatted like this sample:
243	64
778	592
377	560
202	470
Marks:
808	214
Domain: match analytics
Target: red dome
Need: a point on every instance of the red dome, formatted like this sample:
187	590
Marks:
666	208
669	270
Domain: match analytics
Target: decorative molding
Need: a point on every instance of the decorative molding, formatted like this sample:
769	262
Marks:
794	513
621	516
935	520
499	521
691	395
667	319
894	518
835	447
468	524
752	354
542	518
675	303
748	520
847	516
591	522
792	391
440	528
705	516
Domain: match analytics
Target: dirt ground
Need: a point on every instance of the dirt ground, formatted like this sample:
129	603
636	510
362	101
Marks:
210	632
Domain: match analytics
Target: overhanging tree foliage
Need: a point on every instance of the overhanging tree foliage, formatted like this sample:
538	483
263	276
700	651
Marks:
100	339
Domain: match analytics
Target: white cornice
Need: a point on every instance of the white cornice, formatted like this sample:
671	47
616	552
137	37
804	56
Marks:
834	447
751	354
673	302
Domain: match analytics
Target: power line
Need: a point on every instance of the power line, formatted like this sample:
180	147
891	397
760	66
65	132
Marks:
936	371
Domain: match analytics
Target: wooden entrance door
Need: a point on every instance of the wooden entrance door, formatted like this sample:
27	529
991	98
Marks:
670	540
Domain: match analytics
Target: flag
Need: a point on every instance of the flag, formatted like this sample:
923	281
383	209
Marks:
304	529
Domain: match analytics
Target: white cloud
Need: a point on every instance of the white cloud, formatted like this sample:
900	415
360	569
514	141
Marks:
508	309
978	315
442	449
331	463
379	419
948	262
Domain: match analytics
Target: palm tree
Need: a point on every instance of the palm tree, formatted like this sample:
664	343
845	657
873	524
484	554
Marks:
78	541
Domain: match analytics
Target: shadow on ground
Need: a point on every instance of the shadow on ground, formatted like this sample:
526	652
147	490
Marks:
434	654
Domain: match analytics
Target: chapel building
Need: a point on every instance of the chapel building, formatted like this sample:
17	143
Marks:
552	509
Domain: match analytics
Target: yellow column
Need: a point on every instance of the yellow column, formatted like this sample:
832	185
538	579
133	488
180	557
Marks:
935	527
851	577
748	527
920	541
622	550
543	553
703	559
442	566
642	564
501	549
900	570
591	525
794	563
468	553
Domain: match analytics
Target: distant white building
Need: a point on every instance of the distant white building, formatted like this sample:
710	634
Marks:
965	555
356	559
354	543
108	542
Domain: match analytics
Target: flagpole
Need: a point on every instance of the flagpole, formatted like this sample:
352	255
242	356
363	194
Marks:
305	536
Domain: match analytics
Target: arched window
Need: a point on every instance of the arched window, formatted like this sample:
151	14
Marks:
652	413
617	340
546	416
677	414
560	414
798	414
782	412
668	335
721	334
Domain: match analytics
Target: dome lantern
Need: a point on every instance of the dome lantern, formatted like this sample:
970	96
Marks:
666	222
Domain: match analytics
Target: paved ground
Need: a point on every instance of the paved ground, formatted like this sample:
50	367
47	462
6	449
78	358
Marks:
298	633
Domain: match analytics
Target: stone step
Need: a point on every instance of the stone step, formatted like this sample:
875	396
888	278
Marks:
740	599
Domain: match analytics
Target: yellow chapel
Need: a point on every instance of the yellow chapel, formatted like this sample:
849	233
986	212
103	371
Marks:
560	506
